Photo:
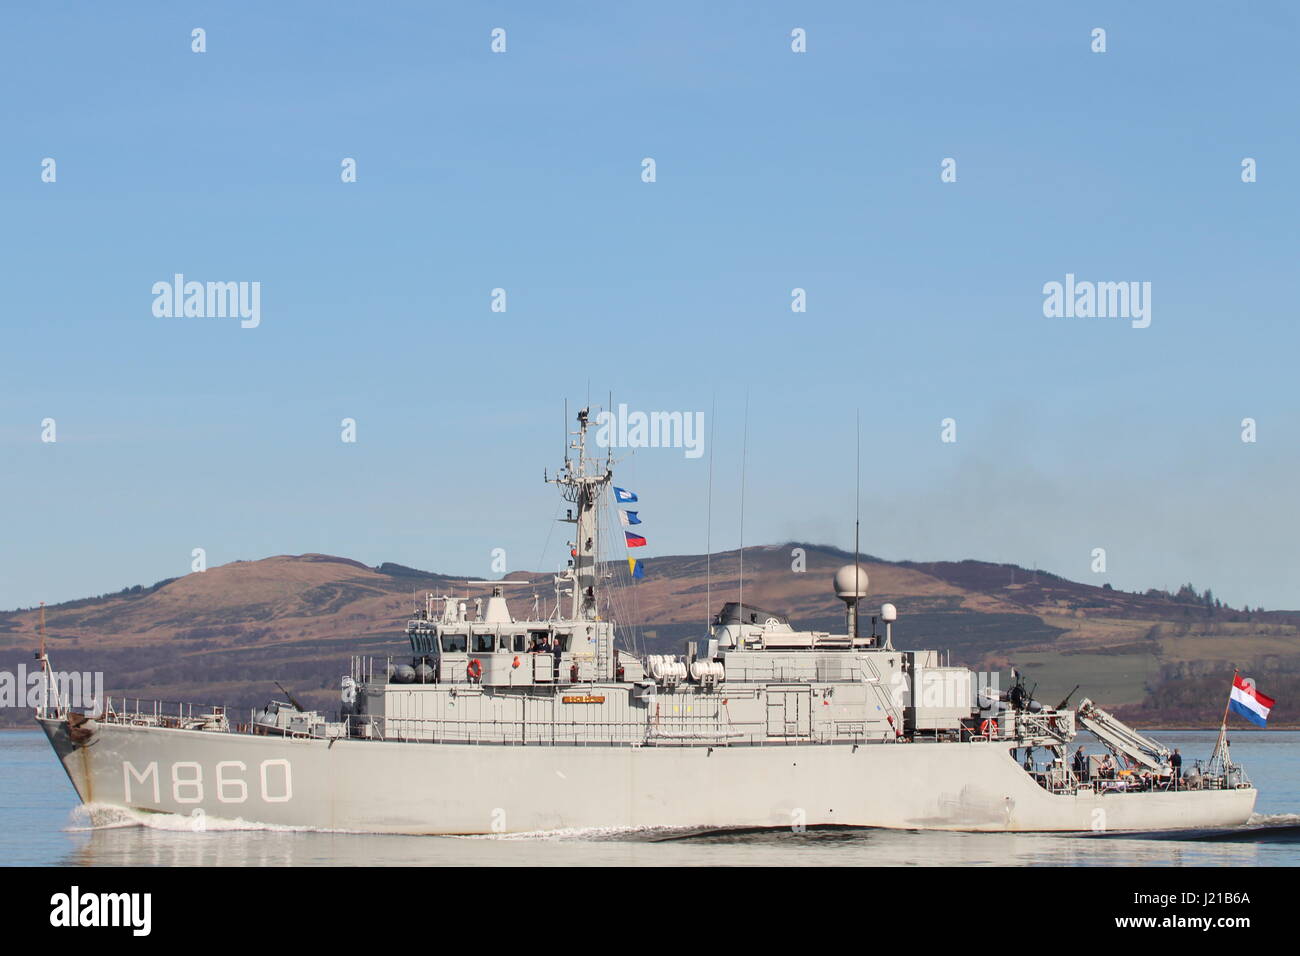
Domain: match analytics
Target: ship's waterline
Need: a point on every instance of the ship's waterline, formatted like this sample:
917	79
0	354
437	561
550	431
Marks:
383	787
43	823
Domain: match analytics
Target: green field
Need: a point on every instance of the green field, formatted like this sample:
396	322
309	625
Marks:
1109	679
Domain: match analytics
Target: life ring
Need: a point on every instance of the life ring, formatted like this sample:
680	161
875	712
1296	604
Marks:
516	661
475	670
989	728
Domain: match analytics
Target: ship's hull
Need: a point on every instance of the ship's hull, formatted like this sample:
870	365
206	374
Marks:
420	788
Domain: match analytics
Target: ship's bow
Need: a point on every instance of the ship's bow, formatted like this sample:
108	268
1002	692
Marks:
71	745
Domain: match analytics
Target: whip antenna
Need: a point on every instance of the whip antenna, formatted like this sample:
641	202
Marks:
857	501
744	454
708	525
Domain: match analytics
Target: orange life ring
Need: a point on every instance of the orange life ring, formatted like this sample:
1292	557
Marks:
989	728
474	670
516	661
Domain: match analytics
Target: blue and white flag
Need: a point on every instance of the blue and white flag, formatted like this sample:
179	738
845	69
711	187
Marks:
628	518
623	496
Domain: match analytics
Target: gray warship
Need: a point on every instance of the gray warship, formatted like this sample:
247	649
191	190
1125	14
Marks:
497	724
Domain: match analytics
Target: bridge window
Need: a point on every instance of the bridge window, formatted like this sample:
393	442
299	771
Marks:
483	643
453	643
521	643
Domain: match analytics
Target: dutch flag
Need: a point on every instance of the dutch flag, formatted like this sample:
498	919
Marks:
1247	702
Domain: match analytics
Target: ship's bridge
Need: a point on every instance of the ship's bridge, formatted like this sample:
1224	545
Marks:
487	646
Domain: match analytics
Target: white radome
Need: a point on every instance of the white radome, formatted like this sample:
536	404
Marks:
888	613
845	585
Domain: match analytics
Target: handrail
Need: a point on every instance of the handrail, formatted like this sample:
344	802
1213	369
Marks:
155	713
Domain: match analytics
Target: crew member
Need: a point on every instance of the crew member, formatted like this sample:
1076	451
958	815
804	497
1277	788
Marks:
1081	765
1176	762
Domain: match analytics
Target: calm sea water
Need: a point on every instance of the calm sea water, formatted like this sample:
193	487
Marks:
41	826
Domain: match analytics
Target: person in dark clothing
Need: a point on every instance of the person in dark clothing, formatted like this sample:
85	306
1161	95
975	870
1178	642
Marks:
557	648
1081	765
1176	763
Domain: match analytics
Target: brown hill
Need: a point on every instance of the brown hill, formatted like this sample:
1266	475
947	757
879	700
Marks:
224	635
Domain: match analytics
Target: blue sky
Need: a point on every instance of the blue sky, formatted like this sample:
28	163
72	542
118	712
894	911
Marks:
775	170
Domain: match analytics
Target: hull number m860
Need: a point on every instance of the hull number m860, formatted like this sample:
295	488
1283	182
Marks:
230	781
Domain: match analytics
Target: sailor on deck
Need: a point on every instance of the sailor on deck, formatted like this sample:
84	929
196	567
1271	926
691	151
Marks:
1081	765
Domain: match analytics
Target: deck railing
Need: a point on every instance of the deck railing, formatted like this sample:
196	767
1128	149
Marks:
165	713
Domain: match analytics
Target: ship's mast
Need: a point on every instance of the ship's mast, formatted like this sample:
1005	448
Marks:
50	703
583	488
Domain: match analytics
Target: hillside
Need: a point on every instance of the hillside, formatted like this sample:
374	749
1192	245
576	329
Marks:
223	636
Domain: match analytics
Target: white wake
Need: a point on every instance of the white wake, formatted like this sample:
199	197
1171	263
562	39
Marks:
103	816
